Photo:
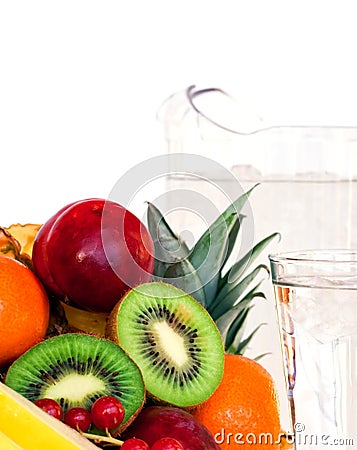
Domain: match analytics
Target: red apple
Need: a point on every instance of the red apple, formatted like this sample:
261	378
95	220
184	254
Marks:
39	255
92	252
156	422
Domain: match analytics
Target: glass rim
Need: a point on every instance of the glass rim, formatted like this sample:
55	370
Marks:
333	256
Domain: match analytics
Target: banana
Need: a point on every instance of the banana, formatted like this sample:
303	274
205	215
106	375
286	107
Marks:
24	426
8	444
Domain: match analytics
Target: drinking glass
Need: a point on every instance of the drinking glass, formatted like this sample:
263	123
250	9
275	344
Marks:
316	299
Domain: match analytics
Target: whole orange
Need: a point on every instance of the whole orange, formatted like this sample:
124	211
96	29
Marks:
244	410
24	310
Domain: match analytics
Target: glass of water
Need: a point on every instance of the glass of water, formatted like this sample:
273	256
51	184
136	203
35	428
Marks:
316	297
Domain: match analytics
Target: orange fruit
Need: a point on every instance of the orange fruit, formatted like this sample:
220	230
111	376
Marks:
24	310
244	410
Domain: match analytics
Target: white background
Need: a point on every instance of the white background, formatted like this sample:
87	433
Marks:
81	82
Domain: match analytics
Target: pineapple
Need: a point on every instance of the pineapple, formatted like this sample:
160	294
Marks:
9	246
226	290
25	235
12	248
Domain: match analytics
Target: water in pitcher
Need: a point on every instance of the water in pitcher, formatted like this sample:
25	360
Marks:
307	174
308	213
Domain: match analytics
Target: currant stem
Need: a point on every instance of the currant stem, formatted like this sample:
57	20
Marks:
109	439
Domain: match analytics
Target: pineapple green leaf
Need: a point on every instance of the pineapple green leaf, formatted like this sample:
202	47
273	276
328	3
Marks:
228	297
226	290
236	331
238	204
214	247
232	238
209	253
238	269
184	276
240	347
259	357
226	320
231	322
168	247
231	228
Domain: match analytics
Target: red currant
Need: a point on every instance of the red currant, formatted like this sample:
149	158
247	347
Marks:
50	406
134	444
107	413
78	418
167	443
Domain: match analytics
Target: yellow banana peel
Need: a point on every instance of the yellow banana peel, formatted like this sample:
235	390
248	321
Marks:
25	426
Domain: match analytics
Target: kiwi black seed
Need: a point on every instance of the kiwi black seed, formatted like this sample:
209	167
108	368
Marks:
173	340
75	369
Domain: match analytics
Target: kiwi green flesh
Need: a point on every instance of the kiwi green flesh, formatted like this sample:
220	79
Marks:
174	341
75	370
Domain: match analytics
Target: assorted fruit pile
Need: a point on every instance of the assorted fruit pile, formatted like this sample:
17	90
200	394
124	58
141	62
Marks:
166	369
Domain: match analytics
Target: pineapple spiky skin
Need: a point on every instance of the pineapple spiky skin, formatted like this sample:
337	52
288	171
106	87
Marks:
227	292
11	247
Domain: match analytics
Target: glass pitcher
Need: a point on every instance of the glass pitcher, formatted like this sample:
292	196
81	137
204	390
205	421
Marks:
307	174
307	179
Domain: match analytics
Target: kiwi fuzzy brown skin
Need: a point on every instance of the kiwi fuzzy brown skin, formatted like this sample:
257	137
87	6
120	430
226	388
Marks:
14	380
111	325
153	290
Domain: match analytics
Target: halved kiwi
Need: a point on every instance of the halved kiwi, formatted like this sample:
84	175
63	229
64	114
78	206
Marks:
174	341
76	369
